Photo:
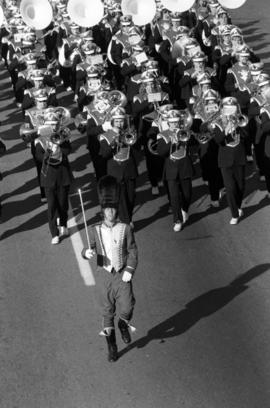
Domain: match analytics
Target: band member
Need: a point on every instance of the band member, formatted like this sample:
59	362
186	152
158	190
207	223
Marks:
229	132
117	257
238	76
222	55
191	76
108	26
97	123
150	125
183	63
173	145
120	47
36	87
3	150
52	151
116	148
265	140
258	102
204	113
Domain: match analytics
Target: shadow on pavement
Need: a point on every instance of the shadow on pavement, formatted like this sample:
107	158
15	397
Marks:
204	305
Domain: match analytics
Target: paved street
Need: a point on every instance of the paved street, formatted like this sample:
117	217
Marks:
203	306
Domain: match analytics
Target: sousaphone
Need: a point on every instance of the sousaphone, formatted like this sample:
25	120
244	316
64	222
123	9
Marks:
142	11
85	13
36	13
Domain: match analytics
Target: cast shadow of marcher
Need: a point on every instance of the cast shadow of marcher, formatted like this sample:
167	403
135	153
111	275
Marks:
199	308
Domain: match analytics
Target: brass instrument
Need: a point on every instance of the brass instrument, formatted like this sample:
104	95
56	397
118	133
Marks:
80	121
117	98
51	142
124	139
29	131
181	136
205	137
160	120
233	122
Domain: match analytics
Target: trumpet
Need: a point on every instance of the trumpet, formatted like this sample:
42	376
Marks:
124	139
233	122
181	136
52	142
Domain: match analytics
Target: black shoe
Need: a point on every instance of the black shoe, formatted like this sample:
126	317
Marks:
112	347
123	327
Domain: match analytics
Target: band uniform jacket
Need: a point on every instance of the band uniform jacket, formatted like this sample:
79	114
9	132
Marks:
124	250
235	84
230	156
173	169
57	175
93	130
123	170
265	128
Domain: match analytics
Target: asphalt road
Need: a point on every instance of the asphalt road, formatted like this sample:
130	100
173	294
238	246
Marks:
202	312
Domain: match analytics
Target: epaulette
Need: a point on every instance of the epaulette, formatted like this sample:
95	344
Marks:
137	98
258	99
265	110
83	88
22	74
81	66
164	137
28	92
51	90
137	79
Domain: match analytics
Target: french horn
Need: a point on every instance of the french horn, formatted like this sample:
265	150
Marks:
117	98
61	113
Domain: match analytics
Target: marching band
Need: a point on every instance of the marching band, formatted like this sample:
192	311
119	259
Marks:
180	85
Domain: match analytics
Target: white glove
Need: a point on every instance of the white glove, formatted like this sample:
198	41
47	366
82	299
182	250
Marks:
106	126
89	253
126	276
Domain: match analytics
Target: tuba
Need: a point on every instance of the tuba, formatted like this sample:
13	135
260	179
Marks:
85	13
62	114
36	13
142	12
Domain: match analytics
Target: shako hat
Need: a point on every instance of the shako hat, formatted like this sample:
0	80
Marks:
108	192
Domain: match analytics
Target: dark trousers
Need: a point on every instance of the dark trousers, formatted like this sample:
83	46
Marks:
113	292
234	182
57	198
215	184
259	154
38	165
127	200
180	192
154	165
100	166
66	76
266	171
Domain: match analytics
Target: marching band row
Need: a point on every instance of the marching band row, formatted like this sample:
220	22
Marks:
182	83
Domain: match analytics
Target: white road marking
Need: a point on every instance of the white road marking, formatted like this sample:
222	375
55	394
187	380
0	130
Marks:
77	243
